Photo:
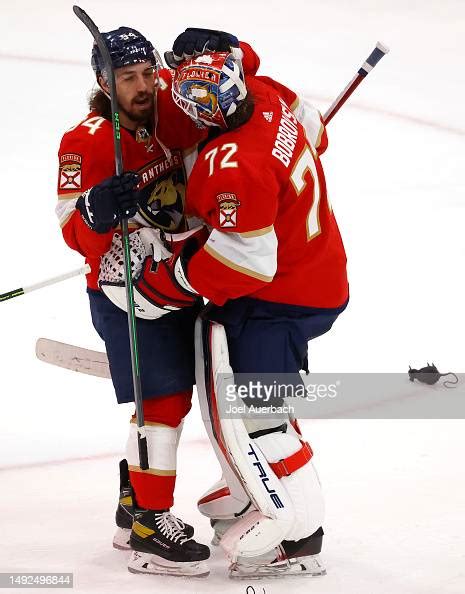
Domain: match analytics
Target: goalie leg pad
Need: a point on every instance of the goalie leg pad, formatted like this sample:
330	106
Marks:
220	503
226	499
274	469
290	459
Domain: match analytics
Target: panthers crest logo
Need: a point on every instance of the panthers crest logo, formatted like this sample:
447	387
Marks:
162	193
70	172
228	206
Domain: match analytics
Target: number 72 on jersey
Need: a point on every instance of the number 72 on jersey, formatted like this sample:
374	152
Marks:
304	164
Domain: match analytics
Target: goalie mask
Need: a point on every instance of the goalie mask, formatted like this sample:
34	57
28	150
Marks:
210	87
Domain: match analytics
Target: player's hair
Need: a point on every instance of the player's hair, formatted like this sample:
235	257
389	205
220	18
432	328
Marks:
242	114
100	103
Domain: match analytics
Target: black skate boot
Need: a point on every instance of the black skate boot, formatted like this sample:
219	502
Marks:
161	546
125	511
290	558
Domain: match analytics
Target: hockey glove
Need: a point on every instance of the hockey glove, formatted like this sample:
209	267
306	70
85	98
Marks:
102	206
193	42
164	283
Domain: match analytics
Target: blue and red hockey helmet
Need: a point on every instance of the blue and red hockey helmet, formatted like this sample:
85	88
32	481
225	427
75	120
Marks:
126	46
210	87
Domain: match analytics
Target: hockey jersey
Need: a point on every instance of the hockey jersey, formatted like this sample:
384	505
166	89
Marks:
261	188
86	157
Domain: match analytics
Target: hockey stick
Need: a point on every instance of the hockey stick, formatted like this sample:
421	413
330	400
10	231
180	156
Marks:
73	357
141	434
45	283
375	56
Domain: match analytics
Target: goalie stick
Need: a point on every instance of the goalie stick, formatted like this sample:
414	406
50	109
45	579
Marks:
141	434
73	357
375	56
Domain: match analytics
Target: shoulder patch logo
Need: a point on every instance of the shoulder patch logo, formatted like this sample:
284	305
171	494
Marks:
228	204
268	115
70	172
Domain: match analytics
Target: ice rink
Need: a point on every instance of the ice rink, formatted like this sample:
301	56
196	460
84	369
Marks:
395	489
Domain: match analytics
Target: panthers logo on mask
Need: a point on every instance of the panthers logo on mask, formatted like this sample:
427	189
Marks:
203	94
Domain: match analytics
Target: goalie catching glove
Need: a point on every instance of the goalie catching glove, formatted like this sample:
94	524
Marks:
158	264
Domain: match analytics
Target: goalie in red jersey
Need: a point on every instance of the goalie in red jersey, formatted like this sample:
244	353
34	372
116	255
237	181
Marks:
274	270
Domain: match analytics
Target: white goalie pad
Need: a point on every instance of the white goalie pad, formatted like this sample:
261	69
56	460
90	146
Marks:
284	507
226	499
301	485
222	502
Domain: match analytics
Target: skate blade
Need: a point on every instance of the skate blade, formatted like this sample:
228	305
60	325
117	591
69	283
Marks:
121	539
310	566
153	564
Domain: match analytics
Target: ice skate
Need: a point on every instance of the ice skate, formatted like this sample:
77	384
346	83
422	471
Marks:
247	569
290	558
125	511
160	546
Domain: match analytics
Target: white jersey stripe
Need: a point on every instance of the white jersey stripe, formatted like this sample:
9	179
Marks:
310	119
253	253
65	208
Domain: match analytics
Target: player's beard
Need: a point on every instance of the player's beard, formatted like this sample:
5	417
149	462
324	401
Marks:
140	109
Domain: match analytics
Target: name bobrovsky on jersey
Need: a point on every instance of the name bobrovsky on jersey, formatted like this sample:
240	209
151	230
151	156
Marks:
286	138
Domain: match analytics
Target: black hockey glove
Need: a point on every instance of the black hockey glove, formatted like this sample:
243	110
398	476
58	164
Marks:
102	206
193	42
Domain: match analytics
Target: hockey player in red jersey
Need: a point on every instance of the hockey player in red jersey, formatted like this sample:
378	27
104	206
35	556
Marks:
274	270
156	139
260	185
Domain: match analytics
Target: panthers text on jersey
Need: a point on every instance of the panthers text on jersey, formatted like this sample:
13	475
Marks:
262	189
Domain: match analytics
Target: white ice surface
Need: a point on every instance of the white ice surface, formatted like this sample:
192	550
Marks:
395	489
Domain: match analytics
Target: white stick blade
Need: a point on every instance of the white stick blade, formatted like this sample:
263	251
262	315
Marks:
72	357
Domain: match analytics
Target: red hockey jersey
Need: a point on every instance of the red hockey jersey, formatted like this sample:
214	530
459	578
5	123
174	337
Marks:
262	189
86	157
